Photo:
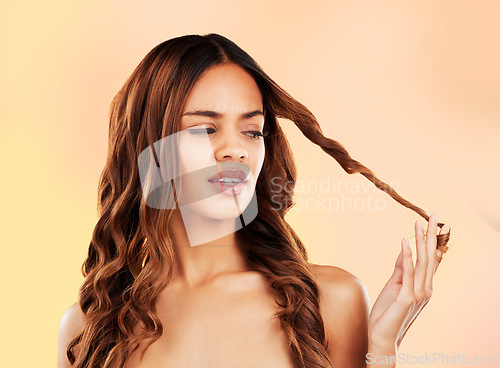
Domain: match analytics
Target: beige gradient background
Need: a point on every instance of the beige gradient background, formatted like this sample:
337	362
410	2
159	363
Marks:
411	88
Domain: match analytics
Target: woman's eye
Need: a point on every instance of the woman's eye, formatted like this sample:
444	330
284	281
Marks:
255	134
201	131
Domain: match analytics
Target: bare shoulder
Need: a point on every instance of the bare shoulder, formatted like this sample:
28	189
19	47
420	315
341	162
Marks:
344	307
71	325
336	282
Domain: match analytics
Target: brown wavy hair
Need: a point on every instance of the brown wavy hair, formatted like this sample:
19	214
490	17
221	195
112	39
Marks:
124	273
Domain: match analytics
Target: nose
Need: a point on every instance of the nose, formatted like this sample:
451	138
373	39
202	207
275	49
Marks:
229	147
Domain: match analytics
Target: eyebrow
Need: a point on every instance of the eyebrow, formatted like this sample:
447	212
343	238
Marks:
215	114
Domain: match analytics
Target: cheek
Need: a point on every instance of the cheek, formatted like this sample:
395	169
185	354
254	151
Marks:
195	154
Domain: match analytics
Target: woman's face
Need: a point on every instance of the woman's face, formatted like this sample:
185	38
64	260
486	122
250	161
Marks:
220	143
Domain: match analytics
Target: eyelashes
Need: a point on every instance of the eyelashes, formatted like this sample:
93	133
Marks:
201	131
255	133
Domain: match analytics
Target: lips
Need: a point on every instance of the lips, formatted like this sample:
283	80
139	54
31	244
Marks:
230	177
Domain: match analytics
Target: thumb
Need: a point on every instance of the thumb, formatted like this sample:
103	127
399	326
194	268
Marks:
398	267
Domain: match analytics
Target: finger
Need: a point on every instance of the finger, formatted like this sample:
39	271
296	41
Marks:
397	275
431	242
406	295
422	262
430	237
397	312
439	253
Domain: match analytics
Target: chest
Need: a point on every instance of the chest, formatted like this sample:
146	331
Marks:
217	329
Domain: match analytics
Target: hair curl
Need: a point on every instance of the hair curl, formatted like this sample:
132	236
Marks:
122	271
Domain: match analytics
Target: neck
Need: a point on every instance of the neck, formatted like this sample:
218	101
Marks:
198	260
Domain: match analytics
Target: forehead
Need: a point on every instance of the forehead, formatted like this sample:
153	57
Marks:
227	88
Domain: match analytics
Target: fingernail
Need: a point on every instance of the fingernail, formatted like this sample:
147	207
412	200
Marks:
407	242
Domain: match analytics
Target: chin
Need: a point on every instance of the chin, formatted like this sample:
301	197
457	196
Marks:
220	207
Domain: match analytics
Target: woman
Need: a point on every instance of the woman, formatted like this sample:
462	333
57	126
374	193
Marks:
192	264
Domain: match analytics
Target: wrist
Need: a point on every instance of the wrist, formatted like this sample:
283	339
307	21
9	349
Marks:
381	355
375	343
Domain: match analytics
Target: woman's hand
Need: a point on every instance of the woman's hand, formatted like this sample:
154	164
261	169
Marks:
408	290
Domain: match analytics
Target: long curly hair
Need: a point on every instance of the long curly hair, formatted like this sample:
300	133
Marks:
124	274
